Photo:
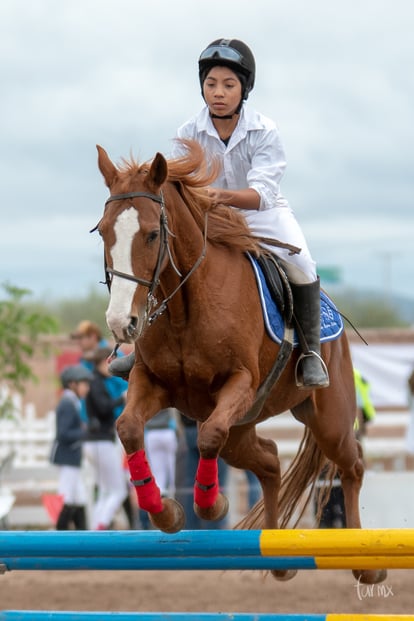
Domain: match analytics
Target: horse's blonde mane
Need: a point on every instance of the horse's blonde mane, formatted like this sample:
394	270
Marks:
191	175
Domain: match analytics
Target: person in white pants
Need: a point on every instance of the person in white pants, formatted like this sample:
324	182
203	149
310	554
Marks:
161	448
105	457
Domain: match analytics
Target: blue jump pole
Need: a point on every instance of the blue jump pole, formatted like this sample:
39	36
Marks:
220	543
156	563
188	550
127	544
33	615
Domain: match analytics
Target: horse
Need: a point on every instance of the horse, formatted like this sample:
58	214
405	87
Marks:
182	290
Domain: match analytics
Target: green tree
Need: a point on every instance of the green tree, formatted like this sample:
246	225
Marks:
20	329
92	306
70	311
371	311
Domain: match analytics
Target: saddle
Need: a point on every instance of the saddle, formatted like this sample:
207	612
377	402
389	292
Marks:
278	284
278	312
278	307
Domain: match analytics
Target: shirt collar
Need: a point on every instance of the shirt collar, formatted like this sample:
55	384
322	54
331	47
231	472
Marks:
69	394
246	122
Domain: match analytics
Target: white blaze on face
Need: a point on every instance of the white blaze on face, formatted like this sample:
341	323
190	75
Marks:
122	290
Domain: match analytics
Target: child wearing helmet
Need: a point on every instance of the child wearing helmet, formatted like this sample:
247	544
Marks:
67	447
253	162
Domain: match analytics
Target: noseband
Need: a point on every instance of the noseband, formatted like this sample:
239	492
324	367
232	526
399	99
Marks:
164	250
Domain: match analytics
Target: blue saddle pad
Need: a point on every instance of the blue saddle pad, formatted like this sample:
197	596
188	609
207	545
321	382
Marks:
331	321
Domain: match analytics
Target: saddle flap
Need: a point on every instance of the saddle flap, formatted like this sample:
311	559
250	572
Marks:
278	284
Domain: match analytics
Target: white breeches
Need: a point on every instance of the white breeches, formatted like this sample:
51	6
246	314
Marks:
161	449
106	459
280	223
71	485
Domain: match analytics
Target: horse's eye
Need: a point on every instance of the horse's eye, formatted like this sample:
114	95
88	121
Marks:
152	236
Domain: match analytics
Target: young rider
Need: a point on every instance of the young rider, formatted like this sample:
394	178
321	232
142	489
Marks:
67	447
253	163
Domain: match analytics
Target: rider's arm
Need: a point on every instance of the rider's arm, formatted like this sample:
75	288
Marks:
266	162
243	199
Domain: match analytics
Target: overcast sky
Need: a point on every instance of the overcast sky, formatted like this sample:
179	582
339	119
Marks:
336	76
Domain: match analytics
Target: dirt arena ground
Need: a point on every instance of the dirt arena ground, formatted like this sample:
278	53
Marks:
208	591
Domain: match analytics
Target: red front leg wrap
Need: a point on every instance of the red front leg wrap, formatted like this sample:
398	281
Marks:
206	486
148	492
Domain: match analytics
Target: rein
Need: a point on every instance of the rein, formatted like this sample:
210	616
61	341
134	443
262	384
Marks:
164	250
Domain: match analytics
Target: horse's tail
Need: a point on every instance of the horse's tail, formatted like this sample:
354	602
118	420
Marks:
298	487
299	481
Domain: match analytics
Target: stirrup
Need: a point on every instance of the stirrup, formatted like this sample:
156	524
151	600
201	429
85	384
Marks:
311	354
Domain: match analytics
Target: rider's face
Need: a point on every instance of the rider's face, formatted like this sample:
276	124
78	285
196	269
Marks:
222	91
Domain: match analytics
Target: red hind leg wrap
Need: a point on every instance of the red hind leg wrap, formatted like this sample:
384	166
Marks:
207	484
148	492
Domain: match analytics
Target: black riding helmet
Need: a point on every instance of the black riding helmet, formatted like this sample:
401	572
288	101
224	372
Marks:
75	373
230	53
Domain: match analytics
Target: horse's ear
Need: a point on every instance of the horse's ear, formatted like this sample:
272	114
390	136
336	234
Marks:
106	167
157	173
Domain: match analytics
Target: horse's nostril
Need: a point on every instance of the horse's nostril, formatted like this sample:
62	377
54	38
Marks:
132	326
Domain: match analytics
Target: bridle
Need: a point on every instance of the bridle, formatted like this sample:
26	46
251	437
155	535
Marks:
151	284
164	250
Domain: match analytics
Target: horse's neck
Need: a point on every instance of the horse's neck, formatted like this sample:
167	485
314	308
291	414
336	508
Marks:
187	247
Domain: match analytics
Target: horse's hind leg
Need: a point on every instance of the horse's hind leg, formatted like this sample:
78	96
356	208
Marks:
247	451
331	419
351	499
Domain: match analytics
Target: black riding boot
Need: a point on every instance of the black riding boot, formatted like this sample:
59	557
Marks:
65	517
79	517
121	366
129	512
311	371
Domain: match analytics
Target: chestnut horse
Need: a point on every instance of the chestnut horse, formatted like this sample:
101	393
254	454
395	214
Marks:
183	291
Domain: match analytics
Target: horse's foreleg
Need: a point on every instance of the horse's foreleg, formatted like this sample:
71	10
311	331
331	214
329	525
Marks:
165	513
233	401
209	502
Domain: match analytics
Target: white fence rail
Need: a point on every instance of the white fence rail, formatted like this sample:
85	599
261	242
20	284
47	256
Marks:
26	436
30	437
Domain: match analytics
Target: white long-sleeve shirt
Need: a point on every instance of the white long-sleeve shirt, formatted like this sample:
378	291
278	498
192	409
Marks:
254	158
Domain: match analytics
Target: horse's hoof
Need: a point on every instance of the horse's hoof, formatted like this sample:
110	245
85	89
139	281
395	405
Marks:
370	576
216	512
283	575
171	519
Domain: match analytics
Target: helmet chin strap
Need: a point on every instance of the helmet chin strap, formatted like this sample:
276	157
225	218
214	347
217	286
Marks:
222	118
227	116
